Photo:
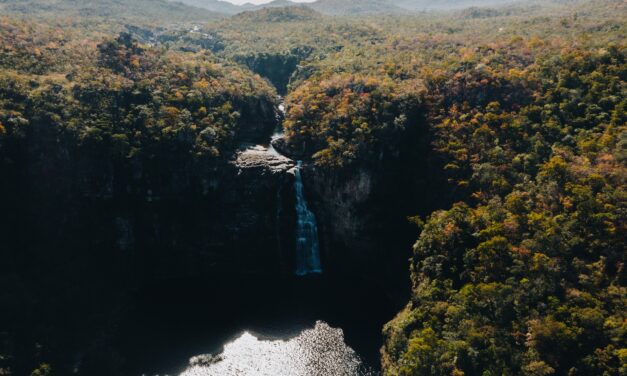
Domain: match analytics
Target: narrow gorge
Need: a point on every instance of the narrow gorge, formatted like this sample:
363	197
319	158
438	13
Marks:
338	187
291	316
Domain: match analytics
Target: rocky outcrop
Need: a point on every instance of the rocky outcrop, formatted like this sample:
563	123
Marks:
277	68
363	218
362	224
262	159
258	119
341	200
256	207
117	226
289	148
241	220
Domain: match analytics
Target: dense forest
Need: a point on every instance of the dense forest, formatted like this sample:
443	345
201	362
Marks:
467	158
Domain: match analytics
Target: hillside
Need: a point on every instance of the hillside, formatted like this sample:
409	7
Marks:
355	7
420	5
217	6
141	10
276	4
225	7
337	188
285	14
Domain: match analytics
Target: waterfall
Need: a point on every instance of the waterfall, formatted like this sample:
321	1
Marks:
307	246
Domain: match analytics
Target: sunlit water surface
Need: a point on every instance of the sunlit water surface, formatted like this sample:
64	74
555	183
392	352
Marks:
317	351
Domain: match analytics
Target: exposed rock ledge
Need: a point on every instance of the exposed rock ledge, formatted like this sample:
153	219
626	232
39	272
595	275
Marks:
257	156
254	211
289	148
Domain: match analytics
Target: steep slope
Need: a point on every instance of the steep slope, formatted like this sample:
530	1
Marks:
529	281
111	126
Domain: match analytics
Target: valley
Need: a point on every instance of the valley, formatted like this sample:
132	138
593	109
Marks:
376	187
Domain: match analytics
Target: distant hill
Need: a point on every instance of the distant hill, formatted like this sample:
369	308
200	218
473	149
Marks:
199	10
419	5
226	7
277	4
350	7
355	7
279	14
327	7
117	9
218	6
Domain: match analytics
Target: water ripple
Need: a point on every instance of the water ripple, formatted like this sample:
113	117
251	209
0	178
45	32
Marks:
314	352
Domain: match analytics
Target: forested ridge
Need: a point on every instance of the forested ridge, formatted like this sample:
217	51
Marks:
102	121
493	138
526	276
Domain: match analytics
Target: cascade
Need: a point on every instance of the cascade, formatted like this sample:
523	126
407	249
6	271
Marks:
307	245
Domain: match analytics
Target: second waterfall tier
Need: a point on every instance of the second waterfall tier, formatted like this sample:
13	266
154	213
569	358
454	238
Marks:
307	244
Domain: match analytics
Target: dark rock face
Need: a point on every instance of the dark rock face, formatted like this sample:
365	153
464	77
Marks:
341	202
277	68
232	216
159	214
241	219
257	209
98	228
359	234
289	148
362	216
259	118
363	223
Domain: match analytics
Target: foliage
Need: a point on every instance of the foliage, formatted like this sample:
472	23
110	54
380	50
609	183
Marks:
42	370
347	118
134	102
521	109
283	14
530	280
137	10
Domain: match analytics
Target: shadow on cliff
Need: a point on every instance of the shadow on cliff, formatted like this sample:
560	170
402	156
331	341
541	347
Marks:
175	320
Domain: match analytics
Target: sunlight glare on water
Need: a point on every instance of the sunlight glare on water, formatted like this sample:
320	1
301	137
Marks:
317	351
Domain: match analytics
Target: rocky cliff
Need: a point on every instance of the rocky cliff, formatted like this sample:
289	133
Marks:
363	219
111	227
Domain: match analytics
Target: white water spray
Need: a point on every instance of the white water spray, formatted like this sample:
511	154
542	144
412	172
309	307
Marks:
307	246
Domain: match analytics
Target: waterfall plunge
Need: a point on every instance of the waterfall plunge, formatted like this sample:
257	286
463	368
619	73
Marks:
307	246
